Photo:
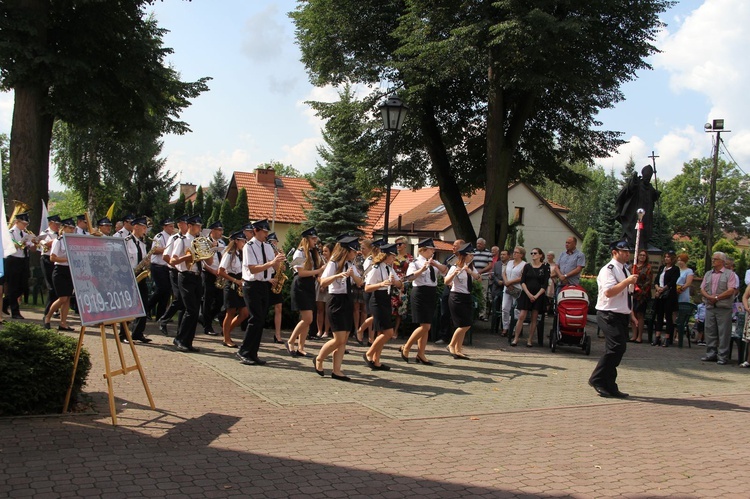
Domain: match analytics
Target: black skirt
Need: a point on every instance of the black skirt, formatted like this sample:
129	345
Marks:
340	312
232	299
366	297
62	281
303	293
524	303
381	311
461	307
423	304
274	298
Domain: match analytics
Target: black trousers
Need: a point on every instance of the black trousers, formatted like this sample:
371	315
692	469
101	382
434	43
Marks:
17	277
162	290
47	267
615	328
213	299
177	305
190	290
139	324
256	294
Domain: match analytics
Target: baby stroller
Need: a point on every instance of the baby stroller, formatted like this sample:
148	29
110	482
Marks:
569	319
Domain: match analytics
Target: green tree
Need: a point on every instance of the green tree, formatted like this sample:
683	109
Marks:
727	246
66	203
606	226
590	248
227	215
281	169
216	213
498	90
208	209
198	205
189	207
179	206
241	213
337	205
219	185
685	199
98	65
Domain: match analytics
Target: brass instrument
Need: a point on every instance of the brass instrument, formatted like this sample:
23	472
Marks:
143	269
201	249
281	276
18	207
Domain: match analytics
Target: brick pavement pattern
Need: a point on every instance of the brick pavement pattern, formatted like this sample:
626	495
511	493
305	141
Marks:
510	422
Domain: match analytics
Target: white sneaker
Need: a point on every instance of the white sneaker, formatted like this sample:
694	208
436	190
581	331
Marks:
745	364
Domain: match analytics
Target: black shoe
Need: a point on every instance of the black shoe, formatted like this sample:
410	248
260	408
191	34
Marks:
259	362
603	392
245	360
278	341
124	340
17	316
367	361
47	325
315	366
210	332
420	360
709	358
665	342
620	395
180	347
163	329
143	339
381	367
656	342
404	357
340	378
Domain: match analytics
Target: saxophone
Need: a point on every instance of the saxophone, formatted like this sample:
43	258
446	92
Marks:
143	269
281	276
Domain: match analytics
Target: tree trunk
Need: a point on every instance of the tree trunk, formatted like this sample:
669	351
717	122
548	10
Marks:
30	136
450	194
503	134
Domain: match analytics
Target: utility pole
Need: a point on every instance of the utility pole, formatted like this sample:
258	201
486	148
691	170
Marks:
716	126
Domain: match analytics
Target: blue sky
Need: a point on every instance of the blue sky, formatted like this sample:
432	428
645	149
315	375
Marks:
255	110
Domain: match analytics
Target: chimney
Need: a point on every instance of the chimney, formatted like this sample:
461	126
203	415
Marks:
188	189
266	176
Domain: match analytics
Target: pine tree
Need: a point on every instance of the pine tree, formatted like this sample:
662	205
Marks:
227	215
189	208
216	213
607	227
240	213
218	186
198	205
337	205
208	209
179	206
589	247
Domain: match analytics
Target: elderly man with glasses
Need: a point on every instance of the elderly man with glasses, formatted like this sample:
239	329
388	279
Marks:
718	289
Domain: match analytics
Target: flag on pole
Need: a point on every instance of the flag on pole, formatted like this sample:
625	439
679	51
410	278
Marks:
7	242
44	225
111	211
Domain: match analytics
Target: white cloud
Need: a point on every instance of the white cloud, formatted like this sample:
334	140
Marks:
303	155
200	169
707	55
264	36
634	148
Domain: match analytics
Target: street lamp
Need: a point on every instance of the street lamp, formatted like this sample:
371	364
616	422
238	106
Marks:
716	126
393	110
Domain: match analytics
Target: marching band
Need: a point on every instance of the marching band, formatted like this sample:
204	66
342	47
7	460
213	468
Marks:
236	279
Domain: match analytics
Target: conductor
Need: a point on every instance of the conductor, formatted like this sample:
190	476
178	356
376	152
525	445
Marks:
614	311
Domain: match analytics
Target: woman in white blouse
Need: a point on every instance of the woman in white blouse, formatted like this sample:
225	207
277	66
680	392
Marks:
230	269
460	278
512	278
61	278
308	265
422	273
337	277
380	279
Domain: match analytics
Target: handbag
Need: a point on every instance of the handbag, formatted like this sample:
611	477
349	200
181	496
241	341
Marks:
514	292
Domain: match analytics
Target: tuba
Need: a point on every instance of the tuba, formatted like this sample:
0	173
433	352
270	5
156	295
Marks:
281	276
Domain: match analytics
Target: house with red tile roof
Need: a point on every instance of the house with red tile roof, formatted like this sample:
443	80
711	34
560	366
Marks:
279	199
415	214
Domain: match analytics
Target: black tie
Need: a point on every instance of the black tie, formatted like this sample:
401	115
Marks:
138	250
25	248
263	253
348	280
469	281
432	273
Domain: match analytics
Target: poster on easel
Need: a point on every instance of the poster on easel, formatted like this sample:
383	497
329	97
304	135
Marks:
104	282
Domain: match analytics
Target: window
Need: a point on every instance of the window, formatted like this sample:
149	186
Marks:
518	216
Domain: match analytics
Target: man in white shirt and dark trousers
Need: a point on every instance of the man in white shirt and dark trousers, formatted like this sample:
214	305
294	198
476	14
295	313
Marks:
259	262
614	312
136	249
189	282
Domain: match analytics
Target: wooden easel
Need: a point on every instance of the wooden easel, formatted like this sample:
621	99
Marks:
109	374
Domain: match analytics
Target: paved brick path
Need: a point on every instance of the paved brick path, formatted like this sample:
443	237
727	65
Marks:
510	422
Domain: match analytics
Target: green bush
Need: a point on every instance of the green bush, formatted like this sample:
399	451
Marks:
592	290
35	369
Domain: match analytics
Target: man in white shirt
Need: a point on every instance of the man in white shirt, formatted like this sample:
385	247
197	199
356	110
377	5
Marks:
189	282
127	226
46	238
258	265
167	253
213	297
160	270
136	253
82	227
614	313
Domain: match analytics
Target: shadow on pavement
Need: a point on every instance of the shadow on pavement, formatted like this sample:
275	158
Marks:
711	405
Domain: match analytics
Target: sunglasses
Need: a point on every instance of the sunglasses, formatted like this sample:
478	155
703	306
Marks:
400	244
535	253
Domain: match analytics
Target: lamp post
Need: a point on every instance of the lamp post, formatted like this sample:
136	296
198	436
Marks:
277	182
716	126
393	110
